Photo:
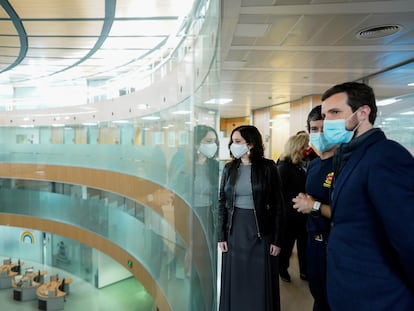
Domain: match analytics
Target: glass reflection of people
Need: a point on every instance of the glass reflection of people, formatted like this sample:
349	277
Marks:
205	189
291	165
61	256
201	189
250	216
205	174
204	181
156	198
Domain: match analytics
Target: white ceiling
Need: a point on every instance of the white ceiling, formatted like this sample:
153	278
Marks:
272	51
276	51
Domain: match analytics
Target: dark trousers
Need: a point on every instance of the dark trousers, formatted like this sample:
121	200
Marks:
295	232
316	254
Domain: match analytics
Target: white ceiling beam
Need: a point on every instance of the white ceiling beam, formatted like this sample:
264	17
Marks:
302	70
372	7
325	48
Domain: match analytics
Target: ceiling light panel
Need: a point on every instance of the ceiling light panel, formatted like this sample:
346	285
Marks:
145	8
145	43
157	27
122	55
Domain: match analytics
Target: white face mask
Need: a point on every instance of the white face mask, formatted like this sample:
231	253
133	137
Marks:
209	150
238	150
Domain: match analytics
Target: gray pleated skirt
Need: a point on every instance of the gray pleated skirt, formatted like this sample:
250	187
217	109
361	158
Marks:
249	278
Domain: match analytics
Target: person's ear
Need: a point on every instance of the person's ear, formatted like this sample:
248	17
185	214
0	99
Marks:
364	112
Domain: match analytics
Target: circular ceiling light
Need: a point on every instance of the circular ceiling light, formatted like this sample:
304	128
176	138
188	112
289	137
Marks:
378	31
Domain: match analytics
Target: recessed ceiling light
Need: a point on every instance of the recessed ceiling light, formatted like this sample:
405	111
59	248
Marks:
283	115
143	106
378	31
150	118
182	112
388	101
219	101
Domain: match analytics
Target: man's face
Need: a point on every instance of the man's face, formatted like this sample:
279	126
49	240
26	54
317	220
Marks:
316	126
336	107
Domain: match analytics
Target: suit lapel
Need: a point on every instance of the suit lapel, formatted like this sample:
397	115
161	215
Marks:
354	159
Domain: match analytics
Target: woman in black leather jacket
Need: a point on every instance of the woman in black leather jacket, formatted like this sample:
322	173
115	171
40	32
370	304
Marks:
250	219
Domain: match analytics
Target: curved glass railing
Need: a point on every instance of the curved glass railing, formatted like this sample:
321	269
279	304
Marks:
140	147
145	241
148	162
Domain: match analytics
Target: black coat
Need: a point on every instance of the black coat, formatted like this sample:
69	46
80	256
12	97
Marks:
267	197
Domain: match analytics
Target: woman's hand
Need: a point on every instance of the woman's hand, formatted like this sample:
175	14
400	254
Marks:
274	250
223	246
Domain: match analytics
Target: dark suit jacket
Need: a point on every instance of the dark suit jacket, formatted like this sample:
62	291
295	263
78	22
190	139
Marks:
371	246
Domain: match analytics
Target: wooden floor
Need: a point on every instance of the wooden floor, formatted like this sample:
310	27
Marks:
295	296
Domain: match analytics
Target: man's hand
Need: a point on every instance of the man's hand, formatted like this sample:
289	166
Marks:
303	203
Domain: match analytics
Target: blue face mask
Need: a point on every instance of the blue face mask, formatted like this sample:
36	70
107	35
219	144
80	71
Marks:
319	142
336	133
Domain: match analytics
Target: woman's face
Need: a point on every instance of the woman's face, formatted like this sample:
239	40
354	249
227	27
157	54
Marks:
237	139
210	138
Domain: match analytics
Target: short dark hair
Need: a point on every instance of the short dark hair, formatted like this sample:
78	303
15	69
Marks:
359	94
253	137
314	115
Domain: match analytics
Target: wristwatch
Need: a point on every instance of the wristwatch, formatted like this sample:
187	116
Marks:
316	209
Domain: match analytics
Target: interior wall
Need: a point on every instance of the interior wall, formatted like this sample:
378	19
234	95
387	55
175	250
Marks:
261	120
227	125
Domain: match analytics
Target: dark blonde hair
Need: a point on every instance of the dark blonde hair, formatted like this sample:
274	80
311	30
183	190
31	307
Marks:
294	148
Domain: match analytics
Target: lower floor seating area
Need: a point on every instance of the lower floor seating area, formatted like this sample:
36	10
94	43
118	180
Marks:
129	294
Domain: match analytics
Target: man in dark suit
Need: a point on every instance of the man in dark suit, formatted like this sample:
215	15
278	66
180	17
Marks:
370	254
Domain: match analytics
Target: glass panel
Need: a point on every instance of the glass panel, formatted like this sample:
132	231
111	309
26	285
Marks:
156	147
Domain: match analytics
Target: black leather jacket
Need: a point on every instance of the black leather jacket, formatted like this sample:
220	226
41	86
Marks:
267	198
